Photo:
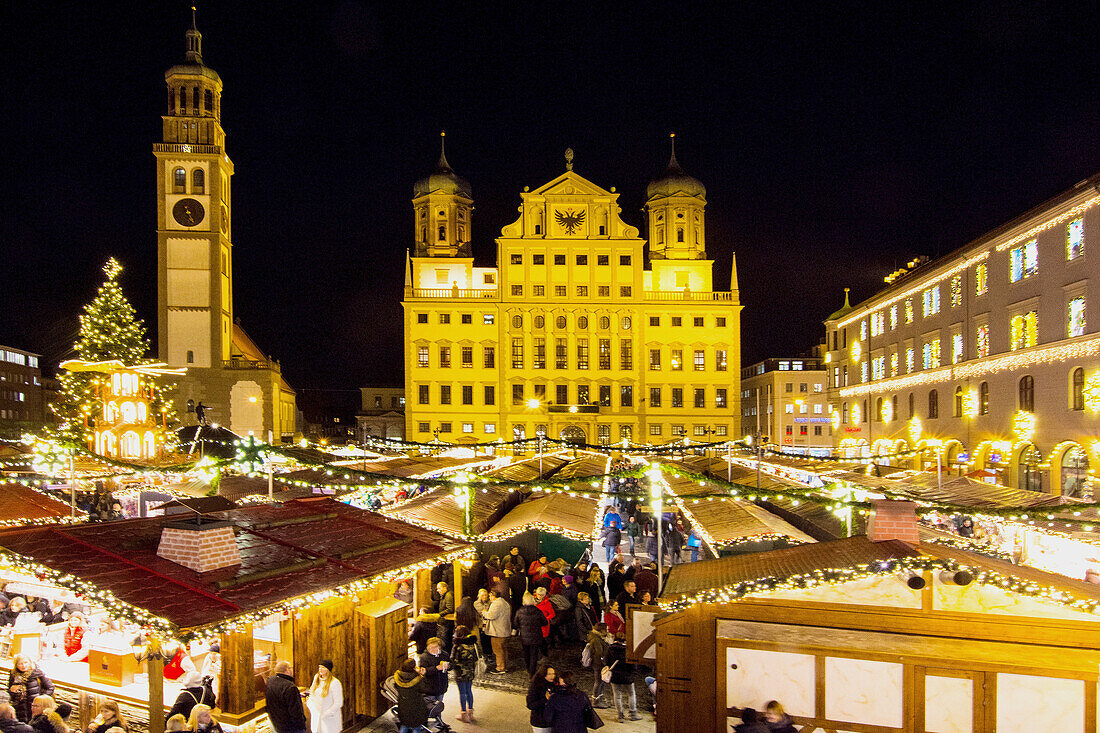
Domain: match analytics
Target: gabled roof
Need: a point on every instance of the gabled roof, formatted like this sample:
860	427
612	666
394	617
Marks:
21	503
299	548
574	515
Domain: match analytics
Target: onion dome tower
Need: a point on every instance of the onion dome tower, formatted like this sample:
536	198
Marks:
675	204
442	209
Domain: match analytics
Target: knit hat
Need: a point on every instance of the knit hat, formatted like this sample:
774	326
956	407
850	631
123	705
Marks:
327	663
64	710
568	578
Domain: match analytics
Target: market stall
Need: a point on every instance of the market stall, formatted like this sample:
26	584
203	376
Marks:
302	581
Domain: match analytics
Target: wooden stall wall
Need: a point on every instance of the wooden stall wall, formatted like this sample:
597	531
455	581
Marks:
686	644
325	631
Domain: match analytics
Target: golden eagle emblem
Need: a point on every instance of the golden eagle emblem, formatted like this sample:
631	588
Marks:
569	220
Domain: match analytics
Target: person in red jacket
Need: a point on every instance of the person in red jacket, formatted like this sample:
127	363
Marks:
542	603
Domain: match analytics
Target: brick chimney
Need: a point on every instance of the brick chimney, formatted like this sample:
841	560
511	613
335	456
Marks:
201	547
893	520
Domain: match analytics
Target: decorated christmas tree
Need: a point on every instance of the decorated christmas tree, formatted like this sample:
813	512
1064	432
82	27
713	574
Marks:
109	330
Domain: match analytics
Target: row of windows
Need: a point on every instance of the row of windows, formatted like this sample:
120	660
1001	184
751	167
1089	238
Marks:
561	356
15	357
886	409
562	323
516	258
12	396
198	181
560	291
805	430
1023	334
1023	264
207	97
14	415
603	432
583	395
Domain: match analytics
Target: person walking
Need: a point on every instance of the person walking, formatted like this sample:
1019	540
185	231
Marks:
633	532
543	680
25	682
612	537
597	647
567	707
464	658
284	701
412	688
622	678
530	623
498	627
584	615
325	701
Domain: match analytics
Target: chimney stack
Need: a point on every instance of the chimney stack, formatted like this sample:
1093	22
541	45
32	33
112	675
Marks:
893	520
201	547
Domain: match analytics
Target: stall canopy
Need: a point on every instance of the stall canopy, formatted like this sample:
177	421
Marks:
20	503
438	509
528	469
560	513
585	465
287	552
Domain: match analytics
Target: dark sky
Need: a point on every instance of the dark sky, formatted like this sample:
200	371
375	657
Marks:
834	145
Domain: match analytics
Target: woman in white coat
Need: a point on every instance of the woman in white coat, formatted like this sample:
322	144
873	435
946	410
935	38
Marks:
326	701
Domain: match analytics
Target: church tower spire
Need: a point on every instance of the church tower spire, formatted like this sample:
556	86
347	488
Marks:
675	204
194	40
443	207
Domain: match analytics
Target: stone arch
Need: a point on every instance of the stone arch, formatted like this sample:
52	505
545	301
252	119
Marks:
1069	466
1024	470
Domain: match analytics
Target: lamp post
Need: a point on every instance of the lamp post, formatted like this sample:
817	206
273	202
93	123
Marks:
656	492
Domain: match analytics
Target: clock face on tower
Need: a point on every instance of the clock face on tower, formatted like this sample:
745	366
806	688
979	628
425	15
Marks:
188	212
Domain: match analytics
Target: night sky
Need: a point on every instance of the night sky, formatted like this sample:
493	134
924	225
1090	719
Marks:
834	145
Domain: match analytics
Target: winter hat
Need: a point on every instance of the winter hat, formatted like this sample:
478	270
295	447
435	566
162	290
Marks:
64	710
327	663
216	647
568	578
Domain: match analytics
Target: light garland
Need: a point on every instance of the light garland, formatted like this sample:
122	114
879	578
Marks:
1023	425
1091	392
538	526
1075	349
1072	213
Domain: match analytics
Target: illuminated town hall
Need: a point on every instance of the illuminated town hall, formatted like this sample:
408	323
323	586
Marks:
576	333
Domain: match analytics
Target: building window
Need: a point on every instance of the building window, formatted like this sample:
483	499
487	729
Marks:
179	180
933	404
489	360
605	322
700	397
603	434
956	348
789	429
654	360
700	360
1027	393
517	394
190	356
981	279
803	429
654	429
467	356
676	359
198	181
517	291
442	232
1075	239
932	354
912	409
582	259
422	394
624	259
422	356
467	427
582	394
958	401
445	357
561	353
1077	390
625	323
421	317
908	311
467	319
582	291
603	291
893	323
603	259
539	291
559	291
605	354
444	394
605	395
956	291
894	364
626	355
538	259
720	397
982	341
1031	477
540	354
467	394
517	321
444	317
655	320
424	427
517	259
489	278
561	394
720	360
559	259
517	353
930	300
444	427
817	430
582	323
626	396
677	396
488	319
490	394
1075	317
624	291
1023	261
983	398
677	430
582	354
654	396
1024	331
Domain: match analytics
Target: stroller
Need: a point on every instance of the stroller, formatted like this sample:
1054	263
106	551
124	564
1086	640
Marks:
435	709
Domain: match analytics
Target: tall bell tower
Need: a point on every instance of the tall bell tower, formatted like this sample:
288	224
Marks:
194	249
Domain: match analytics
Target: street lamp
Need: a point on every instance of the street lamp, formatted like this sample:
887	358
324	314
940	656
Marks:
656	493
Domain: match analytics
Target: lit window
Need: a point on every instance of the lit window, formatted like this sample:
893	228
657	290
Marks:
982	341
517	290
720	360
445	357
894	364
490	428
720	397
878	367
700	360
559	291
467	427
582	291
1024	330
540	290
908	310
422	356
956	348
863	330
1023	261
1075	239
789	409
676	359
909	360
863	371
1076	317
981	279
930	299
487	319
932	354
654	360
956	291
893	317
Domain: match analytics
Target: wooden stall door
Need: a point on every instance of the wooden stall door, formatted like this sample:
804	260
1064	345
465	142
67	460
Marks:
386	647
363	673
941	698
325	632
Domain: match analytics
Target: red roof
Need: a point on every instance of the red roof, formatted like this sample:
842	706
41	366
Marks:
302	547
21	502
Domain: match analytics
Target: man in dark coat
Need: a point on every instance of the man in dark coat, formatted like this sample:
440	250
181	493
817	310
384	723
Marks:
517	586
628	595
284	701
446	610
9	723
435	663
189	697
646	580
412	710
422	630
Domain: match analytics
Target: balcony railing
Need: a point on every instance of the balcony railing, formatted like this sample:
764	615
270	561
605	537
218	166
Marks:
576	409
250	364
479	293
688	295
186	148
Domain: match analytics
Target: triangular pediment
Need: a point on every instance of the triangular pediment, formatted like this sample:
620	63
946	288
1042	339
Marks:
570	184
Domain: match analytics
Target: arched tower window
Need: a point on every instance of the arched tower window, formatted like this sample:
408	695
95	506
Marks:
1027	393
679	234
911	408
194	100
183	100
983	398
171	101
933	404
208	101
190	356
878	409
442	232
179	180
198	181
1078	388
